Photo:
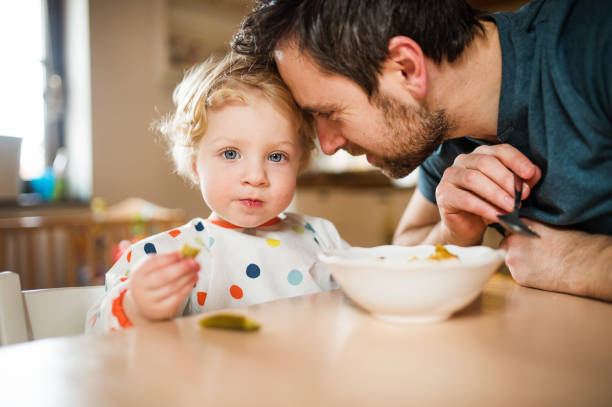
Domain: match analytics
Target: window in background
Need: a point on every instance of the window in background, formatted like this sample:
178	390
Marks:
22	80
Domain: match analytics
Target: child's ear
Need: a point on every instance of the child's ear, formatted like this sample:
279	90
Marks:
195	176
407	59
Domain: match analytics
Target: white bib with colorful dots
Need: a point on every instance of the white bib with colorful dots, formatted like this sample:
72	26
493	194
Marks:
239	266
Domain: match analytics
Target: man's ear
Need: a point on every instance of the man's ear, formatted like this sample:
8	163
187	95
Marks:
407	58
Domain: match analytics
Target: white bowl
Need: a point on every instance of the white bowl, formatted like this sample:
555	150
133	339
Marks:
392	285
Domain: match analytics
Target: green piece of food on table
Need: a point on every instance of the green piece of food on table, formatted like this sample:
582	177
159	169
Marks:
189	251
229	321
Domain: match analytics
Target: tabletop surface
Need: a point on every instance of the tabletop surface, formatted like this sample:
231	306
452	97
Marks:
511	346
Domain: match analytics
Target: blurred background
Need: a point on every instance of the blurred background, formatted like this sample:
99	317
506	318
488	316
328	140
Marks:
80	169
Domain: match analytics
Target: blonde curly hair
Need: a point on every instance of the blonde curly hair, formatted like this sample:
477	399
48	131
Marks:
211	84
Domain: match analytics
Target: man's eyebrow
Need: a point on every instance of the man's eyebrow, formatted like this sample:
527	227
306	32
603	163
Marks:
315	108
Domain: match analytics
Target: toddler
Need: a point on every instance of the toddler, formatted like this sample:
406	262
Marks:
239	135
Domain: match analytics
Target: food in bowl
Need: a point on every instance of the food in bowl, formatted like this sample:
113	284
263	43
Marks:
441	253
413	284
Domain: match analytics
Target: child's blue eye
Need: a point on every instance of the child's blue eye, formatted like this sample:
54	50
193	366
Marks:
230	154
276	157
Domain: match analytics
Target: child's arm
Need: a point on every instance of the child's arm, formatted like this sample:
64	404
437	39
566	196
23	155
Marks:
328	235
329	239
142	290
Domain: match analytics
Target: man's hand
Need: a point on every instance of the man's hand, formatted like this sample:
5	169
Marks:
159	286
561	260
478	187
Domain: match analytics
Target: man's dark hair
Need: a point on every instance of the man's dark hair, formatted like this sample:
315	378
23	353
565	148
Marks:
351	37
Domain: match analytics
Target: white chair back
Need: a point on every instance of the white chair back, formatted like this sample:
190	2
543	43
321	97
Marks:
13	327
37	314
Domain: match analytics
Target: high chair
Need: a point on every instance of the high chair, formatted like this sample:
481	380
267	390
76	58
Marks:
37	314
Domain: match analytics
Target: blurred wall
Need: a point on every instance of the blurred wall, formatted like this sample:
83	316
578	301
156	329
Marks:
129	89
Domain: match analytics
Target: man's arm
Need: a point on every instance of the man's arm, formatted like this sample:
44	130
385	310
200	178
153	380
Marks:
419	223
561	260
470	194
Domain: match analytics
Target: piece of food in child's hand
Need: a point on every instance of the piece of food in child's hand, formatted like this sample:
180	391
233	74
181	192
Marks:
441	254
189	251
234	322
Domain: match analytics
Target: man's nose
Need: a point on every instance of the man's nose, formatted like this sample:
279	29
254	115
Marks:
254	174
330	137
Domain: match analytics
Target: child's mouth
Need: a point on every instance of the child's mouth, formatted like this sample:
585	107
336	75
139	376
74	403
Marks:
251	203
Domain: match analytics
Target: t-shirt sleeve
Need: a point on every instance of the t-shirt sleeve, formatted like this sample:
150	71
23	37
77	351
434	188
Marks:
106	314
429	177
608	76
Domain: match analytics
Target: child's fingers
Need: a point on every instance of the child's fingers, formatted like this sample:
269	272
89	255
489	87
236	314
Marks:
172	302
172	287
154	262
155	302
166	276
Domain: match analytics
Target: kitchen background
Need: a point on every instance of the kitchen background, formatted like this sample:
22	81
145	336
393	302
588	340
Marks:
110	71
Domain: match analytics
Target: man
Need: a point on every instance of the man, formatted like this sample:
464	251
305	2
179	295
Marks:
475	99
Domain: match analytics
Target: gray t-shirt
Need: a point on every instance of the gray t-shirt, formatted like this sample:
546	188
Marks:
555	107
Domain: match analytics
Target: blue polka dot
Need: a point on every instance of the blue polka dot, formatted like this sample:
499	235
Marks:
252	270
211	240
295	277
149	248
199	226
307	226
316	241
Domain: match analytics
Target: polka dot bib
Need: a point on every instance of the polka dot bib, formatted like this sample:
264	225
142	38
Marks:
239	266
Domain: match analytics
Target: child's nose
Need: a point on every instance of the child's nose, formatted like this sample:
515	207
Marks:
254	174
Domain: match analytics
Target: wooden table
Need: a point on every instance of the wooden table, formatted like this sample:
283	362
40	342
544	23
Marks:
512	346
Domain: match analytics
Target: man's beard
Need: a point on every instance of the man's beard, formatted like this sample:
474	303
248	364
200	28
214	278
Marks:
414	134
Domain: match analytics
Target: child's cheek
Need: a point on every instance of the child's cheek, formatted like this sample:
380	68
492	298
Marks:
285	194
215	195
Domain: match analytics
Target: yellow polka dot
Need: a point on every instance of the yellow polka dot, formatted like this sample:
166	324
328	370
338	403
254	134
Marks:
298	229
273	242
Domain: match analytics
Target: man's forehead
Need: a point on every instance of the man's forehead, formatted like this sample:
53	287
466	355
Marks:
303	76
288	51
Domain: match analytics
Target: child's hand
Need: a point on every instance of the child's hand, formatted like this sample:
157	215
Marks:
159	285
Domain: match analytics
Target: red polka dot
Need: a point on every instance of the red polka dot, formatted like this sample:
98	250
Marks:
122	279
236	292
129	256
174	233
201	298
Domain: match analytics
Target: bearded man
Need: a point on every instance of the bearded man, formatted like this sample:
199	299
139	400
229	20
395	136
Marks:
474	99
